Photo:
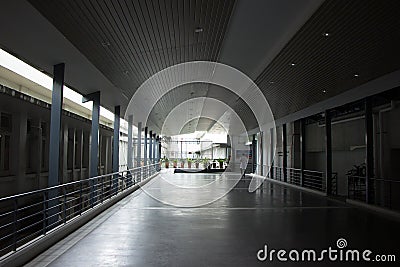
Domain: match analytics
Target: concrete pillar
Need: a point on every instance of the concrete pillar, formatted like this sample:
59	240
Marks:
145	146
73	151
115	154
64	158
94	134
154	148
369	151
159	148
139	145
284	149
253	153
36	128
55	124
107	154
151	147
100	153
130	142
18	149
54	149
328	152
94	144
272	153
80	153
302	150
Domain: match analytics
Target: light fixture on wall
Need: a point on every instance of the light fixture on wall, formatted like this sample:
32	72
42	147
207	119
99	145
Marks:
198	30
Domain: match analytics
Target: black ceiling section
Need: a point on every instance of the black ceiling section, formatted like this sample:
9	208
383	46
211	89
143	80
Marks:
186	92
363	39
129	41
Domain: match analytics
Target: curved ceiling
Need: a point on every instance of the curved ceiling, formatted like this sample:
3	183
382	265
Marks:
203	125
180	120
187	92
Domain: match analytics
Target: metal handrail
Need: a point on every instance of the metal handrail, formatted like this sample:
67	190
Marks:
382	192
31	215
306	178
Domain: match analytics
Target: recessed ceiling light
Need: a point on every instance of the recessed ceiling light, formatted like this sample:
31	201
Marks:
356	75
292	64
105	43
198	30
323	91
271	82
326	34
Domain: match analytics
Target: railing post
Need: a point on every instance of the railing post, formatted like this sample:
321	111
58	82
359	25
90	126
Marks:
91	182
44	212
102	189
15	224
80	198
64	206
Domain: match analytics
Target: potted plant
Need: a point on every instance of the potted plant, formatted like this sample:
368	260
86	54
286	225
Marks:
175	162
205	163
182	163
166	161
196	163
221	163
189	161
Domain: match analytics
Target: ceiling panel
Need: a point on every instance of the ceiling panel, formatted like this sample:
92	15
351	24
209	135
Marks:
362	43
129	41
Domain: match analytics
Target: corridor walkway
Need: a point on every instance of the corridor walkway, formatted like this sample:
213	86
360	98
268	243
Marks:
140	231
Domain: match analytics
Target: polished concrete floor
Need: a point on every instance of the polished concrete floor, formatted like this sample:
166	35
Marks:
141	231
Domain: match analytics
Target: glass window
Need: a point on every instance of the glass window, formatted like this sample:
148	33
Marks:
6	122
6	153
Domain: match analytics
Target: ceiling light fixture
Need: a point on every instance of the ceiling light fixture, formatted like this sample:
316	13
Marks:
324	91
105	43
271	82
292	64
356	75
326	34
198	30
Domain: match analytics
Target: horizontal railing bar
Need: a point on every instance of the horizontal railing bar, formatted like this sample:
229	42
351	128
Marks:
70	183
29	216
69	201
